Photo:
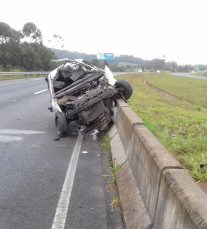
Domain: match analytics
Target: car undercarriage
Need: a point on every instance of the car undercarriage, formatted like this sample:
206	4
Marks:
83	93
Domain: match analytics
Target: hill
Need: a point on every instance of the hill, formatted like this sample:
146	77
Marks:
126	62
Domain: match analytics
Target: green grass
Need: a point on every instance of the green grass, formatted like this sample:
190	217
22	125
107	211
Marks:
112	176
19	77
116	202
180	127
106	142
193	90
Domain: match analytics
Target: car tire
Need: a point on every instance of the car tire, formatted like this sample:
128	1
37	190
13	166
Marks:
125	88
61	124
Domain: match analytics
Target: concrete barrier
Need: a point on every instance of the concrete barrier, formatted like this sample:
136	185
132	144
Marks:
152	178
126	120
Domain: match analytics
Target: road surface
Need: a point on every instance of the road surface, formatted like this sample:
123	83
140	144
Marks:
45	183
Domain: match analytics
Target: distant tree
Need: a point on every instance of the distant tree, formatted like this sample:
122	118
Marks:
36	56
96	63
105	63
14	53
181	68
30	30
14	47
5	32
188	68
158	64
28	56
174	66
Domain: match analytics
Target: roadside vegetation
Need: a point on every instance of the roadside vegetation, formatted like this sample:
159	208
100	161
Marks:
181	127
111	176
192	90
24	50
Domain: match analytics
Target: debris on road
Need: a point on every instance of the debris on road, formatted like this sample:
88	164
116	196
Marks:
84	152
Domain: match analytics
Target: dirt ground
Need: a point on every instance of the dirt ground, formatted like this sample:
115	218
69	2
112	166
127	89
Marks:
203	186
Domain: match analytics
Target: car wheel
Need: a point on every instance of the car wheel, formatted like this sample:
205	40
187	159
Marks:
61	124
124	88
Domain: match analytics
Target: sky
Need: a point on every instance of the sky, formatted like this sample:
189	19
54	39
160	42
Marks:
143	28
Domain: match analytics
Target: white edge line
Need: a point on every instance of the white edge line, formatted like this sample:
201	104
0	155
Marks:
62	208
40	91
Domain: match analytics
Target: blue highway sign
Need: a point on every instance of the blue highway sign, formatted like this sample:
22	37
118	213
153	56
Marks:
105	56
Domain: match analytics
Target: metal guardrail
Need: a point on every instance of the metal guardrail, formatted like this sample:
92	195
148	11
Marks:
22	73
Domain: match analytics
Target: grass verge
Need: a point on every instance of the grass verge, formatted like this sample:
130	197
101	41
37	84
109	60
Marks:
180	127
112	177
200	74
193	90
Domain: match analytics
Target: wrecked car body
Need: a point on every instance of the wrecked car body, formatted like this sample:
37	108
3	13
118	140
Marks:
83	93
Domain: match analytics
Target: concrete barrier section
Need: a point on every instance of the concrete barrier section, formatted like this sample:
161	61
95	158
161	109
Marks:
135	212
117	151
121	103
112	131
126	120
181	203
148	158
148	171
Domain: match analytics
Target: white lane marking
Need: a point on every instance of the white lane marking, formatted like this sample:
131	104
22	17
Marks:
1	85
62	208
6	138
84	152
5	134
13	131
40	91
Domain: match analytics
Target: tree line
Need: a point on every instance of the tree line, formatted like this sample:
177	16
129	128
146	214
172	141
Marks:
24	50
154	64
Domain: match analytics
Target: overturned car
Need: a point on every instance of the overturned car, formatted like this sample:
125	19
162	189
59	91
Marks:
83	93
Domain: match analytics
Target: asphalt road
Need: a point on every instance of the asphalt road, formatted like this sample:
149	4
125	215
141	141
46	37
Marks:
45	183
